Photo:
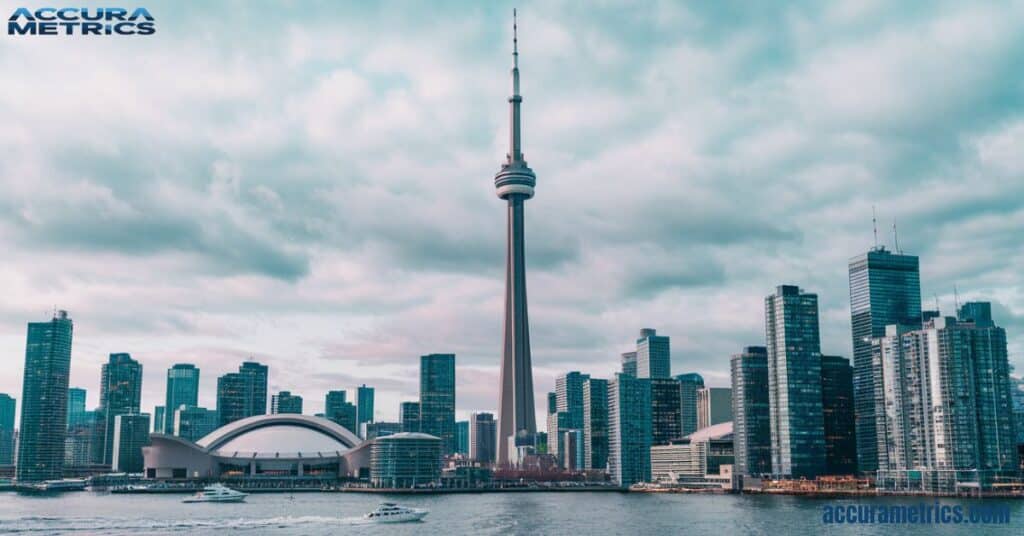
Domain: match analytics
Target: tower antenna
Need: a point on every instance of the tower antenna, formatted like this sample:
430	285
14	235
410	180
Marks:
896	239
936	296
956	300
874	225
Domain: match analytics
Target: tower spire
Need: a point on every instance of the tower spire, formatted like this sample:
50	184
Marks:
515	153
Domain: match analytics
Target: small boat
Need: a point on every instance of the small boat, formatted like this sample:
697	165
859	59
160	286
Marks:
392	513
217	493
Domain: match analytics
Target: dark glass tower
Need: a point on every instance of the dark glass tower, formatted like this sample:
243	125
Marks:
7	407
257	375
514	183
666	421
340	410
595	424
689	384
409	416
885	288
242	394
44	404
653	358
182	390
76	406
364	397
120	394
286	402
437	398
482	435
752	436
837	412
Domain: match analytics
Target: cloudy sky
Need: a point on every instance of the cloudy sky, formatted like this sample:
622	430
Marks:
310	184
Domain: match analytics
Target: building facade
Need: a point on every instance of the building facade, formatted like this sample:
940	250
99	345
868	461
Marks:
409	416
76	405
483	438
666	414
837	408
629	363
182	390
7	410
689	384
242	394
751	416
653	355
629	430
339	410
120	394
405	460
364	405
437	398
462	437
285	402
193	422
131	433
595	424
714	406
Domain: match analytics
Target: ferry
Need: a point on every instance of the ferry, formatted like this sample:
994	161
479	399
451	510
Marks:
218	493
392	513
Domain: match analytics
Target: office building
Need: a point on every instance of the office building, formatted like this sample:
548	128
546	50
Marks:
257	374
794	383
286	402
76	405
437	398
714	406
160	420
120	394
689	384
131	433
193	422
666	415
7	409
462	437
483	438
372	430
44	403
653	358
82	444
595	424
182	390
699	460
405	460
629	429
569	397
341	411
242	394
409	416
629	363
837	408
885	289
364	401
752	437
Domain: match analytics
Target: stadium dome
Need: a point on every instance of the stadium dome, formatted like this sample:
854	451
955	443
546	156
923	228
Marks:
281	435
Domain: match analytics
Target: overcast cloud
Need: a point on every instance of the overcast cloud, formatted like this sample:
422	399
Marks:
310	184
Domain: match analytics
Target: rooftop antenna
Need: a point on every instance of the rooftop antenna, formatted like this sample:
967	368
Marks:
936	296
956	299
874	225
896	239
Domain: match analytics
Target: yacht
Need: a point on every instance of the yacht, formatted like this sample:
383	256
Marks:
392	513
217	493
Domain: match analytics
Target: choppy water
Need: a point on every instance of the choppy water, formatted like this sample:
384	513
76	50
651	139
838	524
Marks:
577	514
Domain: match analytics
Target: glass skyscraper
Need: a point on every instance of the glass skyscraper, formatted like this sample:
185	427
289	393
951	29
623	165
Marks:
437	398
242	394
595	424
885	289
76	406
714	406
653	358
483	437
689	384
666	418
629	363
751	417
193	422
44	403
364	398
629	429
7	409
120	394
182	390
131	433
286	402
794	383
409	416
462	437
837	413
569	397
341	411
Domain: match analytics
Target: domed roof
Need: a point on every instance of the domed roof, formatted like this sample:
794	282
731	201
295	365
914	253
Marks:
280	436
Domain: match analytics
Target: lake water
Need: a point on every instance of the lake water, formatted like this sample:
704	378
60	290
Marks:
576	514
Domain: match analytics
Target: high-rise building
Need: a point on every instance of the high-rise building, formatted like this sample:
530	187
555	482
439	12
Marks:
193	422
409	416
462	437
120	394
885	288
160	420
794	383
595	424
752	436
242	394
286	402
341	411
629	429
7	410
666	416
653	358
437	398
688	386
82	444
364	397
182	390
44	402
569	397
629	363
978	313
838	415
131	433
558	422
76	405
514	183
483	437
714	406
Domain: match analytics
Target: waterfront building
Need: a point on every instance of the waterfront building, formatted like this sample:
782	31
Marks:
837	408
595	424
629	429
699	460
462	437
405	460
653	358
364	404
437	398
193	422
131	433
44	403
629	363
7	409
242	394
689	384
794	383
714	406
571	458
752	435
372	430
76	405
885	289
409	416
286	402
483	437
182	390
120	394
666	416
159	420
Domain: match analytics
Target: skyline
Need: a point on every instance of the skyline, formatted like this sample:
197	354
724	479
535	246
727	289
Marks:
670	247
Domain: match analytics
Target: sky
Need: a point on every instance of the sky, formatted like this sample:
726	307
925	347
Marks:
310	184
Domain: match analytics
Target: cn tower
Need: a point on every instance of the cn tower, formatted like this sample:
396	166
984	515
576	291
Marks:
514	184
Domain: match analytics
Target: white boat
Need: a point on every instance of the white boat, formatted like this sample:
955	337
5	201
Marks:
217	493
392	513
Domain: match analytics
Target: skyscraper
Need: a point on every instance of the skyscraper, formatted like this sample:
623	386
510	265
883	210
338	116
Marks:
44	399
364	396
409	416
182	390
242	394
666	415
837	414
688	386
161	421
131	433
257	374
341	411
83	443
714	406
629	429
752	436
193	422
794	383
437	398
462	437
653	358
514	184
483	436
885	288
629	363
76	405
569	397
7	409
286	402
595	424
120	394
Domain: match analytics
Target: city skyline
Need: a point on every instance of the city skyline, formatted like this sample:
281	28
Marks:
427	277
